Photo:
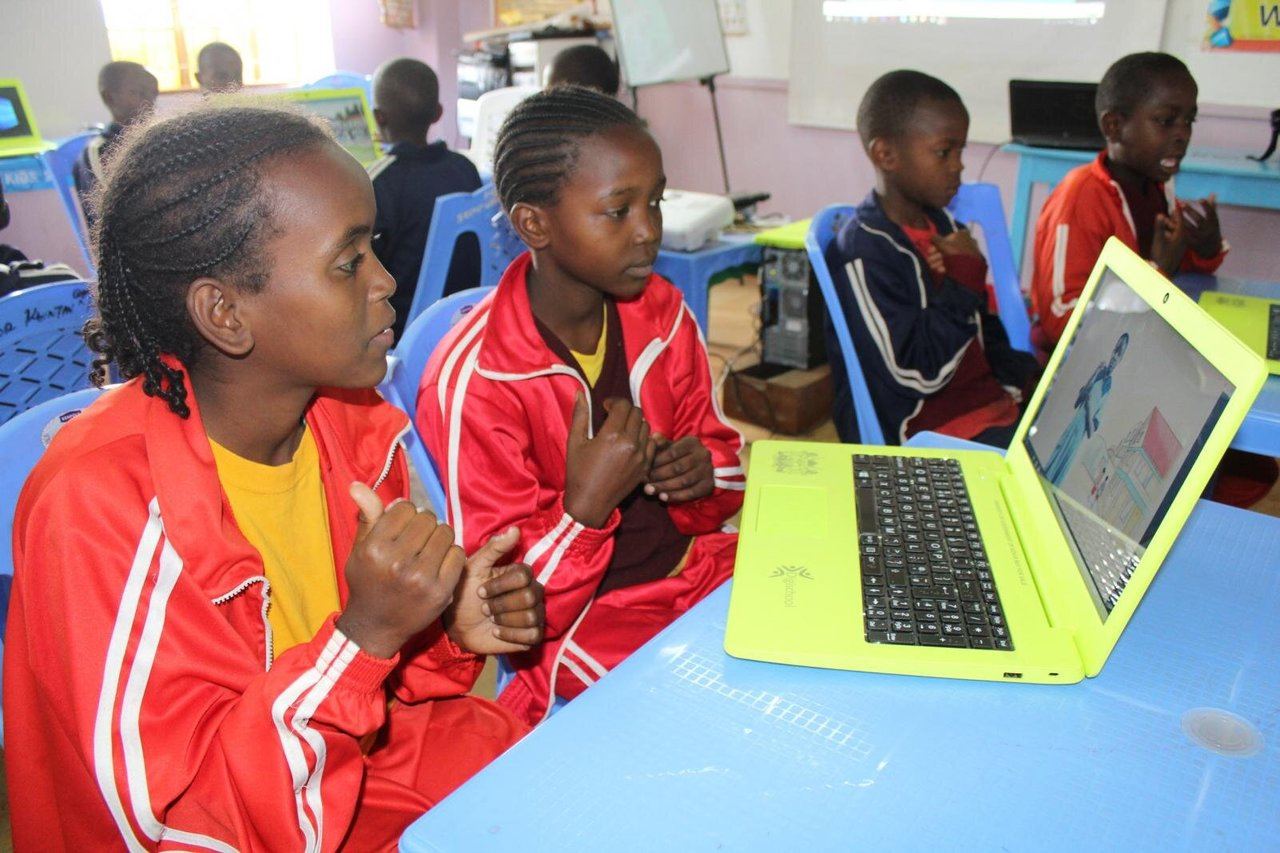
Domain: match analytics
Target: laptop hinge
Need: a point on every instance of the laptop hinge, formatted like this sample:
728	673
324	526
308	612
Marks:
1011	498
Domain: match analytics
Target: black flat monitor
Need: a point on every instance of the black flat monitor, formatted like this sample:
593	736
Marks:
1054	114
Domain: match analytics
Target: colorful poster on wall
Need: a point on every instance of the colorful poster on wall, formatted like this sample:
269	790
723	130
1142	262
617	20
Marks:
1243	25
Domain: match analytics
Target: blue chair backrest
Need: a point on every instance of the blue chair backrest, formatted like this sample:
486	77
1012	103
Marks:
59	162
822	231
42	353
345	80
455	214
405	367
981	203
22	443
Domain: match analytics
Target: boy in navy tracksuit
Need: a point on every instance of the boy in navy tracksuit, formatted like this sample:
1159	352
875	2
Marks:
408	180
912	281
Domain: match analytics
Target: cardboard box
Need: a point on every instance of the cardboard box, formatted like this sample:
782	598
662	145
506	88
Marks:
778	398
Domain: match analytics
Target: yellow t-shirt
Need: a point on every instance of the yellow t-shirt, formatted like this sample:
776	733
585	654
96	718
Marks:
281	510
593	363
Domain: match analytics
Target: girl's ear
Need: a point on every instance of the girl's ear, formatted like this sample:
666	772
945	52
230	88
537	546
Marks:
217	316
532	224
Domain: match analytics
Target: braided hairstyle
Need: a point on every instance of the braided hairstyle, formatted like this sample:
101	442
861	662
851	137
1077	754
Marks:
182	198
539	142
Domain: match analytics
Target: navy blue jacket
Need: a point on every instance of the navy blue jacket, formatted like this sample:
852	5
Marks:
929	349
406	184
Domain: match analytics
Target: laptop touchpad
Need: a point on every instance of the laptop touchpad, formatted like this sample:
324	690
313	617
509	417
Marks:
793	510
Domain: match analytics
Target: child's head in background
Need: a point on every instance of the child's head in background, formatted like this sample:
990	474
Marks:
406	100
914	128
128	90
1146	105
236	239
219	68
581	181
584	65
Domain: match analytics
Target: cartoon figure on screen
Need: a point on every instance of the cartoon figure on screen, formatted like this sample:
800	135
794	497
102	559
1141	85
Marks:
1088	416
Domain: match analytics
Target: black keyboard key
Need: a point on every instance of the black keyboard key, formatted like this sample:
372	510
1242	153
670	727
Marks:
944	640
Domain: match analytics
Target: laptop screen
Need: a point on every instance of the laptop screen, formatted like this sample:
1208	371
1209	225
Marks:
1127	412
14	123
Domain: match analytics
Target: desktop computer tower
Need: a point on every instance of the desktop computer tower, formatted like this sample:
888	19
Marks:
791	310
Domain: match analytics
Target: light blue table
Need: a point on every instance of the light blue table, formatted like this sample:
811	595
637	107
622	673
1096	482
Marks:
1234	177
684	748
694	272
1260	432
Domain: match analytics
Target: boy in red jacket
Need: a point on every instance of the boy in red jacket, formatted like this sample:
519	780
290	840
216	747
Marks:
1146	105
576	401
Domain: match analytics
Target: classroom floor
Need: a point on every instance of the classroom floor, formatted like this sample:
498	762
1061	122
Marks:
733	307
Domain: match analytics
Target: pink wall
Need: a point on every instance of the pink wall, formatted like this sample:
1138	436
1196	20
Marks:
807	168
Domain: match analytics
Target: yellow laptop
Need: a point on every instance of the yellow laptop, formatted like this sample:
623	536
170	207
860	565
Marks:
348	115
1022	567
1252	319
18	132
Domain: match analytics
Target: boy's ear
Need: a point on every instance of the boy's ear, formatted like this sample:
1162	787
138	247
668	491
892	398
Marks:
531	223
379	117
439	113
1110	123
883	154
216	313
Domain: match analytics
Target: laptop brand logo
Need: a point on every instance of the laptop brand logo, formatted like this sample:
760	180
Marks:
802	463
790	576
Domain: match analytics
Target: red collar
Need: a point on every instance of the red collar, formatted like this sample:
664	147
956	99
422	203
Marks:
513	347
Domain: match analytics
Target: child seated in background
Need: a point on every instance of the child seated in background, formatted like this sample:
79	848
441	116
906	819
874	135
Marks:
1146	105
576	401
219	69
407	182
912	281
19	273
584	65
273	647
129	92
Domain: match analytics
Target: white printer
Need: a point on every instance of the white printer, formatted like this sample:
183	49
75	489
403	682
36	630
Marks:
691	220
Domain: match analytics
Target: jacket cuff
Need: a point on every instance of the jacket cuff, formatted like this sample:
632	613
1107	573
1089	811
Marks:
362	672
592	536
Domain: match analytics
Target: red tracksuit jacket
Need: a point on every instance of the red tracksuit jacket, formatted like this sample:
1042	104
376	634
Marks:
494	407
142	706
1079	216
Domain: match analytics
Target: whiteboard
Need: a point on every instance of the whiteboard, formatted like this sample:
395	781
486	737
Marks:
834	62
662	41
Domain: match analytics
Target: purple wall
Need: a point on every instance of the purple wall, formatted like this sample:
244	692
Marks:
807	168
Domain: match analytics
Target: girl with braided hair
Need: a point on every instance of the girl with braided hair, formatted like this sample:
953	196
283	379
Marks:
229	628
576	401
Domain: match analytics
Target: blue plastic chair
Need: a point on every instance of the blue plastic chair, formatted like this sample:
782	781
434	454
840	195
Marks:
22	442
59	162
42	353
455	214
345	80
405	366
822	231
981	203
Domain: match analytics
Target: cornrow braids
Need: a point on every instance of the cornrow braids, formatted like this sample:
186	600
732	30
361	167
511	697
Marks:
539	142
182	198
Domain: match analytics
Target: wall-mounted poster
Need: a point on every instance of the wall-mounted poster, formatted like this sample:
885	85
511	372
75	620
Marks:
1243	25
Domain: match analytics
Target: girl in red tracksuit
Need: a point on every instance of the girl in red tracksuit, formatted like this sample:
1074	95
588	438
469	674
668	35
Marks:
208	646
576	401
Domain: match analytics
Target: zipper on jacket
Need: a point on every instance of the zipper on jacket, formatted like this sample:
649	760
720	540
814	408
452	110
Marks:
391	455
266	605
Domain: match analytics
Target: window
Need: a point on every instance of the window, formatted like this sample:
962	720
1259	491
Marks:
281	41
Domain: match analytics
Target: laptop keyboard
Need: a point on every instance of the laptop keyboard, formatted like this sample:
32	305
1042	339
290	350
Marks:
926	580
